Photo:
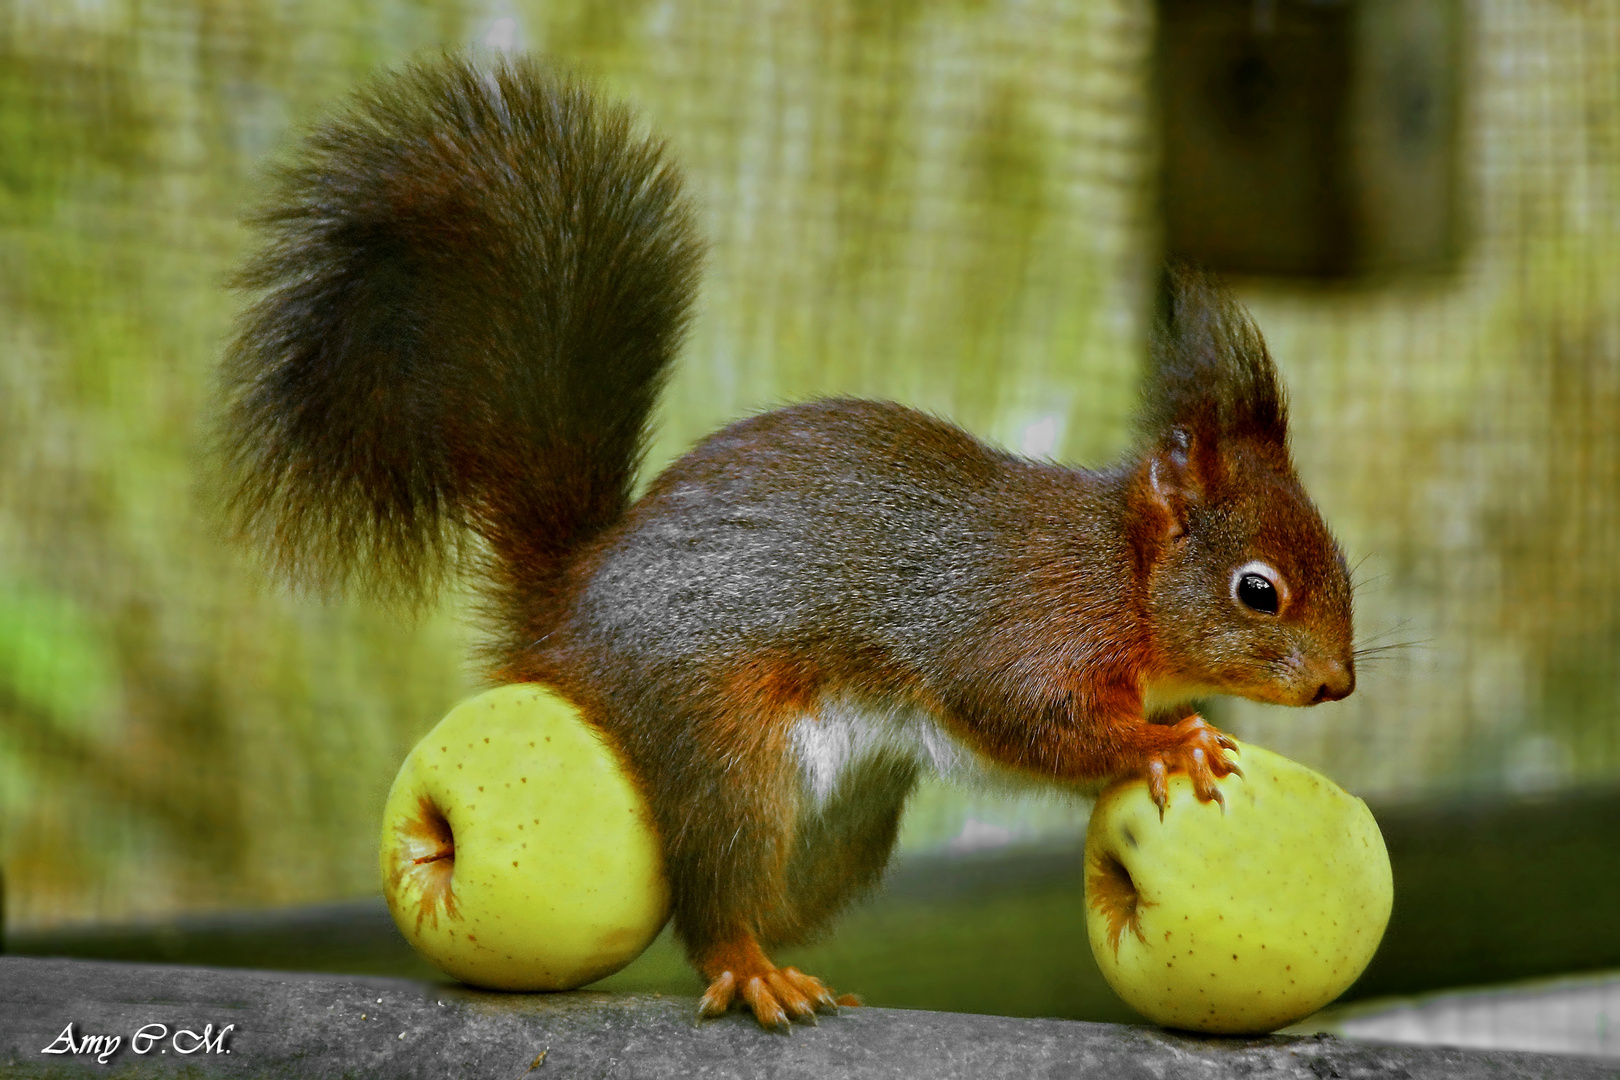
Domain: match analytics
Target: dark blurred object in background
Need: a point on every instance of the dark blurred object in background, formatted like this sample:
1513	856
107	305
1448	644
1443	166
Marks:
1310	137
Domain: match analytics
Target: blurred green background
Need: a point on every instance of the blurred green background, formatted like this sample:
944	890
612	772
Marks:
954	205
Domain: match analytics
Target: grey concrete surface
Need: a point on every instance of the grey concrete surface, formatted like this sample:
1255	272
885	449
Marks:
1561	1016
279	1024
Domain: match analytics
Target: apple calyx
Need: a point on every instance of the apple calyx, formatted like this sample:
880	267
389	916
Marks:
429	844
1111	890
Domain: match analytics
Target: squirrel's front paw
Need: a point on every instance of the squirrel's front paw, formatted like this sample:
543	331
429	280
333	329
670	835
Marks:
1199	750
774	995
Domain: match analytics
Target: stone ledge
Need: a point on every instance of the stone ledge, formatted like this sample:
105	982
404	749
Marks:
286	1025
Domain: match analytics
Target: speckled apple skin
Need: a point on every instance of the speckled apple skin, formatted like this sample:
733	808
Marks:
1253	917
557	879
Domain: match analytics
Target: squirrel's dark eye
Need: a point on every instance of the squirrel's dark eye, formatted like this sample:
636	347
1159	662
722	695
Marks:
1257	593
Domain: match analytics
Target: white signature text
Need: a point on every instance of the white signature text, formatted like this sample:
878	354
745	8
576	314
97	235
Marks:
143	1041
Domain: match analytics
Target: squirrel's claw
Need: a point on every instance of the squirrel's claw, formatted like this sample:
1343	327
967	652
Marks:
1158	781
817	992
717	998
789	997
1203	777
767	1010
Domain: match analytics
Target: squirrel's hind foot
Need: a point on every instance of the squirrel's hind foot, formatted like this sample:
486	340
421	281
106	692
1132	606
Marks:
776	996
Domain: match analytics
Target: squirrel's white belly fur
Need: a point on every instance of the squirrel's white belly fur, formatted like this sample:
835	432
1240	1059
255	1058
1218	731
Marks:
845	734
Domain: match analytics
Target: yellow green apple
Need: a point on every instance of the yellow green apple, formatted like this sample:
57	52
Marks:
1238	918
517	853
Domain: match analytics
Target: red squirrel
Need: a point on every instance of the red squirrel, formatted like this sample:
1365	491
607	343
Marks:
472	282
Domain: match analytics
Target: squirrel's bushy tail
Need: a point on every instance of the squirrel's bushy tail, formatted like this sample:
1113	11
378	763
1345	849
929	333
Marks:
472	283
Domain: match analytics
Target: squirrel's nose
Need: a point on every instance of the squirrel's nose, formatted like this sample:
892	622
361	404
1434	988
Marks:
1338	681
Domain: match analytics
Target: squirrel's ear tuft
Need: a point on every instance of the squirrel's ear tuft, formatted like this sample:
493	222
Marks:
1209	373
